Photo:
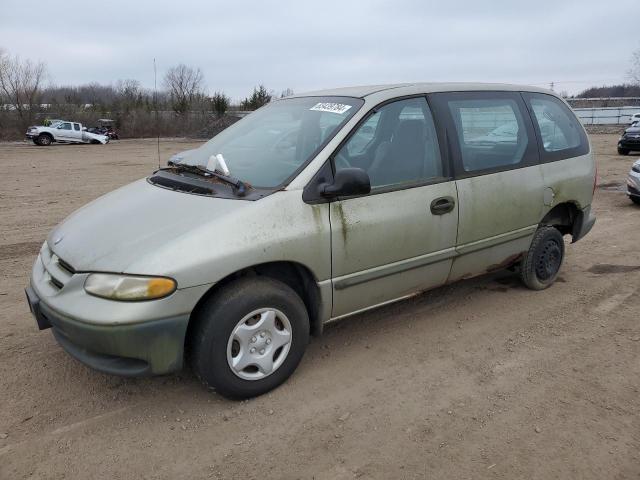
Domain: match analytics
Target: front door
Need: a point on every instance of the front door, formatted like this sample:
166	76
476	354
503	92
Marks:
399	239
65	131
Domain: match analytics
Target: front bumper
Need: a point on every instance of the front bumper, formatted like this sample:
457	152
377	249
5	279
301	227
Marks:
633	184
631	144
152	347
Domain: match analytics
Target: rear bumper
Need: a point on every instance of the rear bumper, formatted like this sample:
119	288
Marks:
152	347
584	223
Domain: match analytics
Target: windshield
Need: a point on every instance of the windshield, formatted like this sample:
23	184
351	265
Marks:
268	146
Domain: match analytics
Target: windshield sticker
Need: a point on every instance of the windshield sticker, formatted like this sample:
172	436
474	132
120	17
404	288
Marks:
331	107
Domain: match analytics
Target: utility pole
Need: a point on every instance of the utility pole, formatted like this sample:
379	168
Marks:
551	85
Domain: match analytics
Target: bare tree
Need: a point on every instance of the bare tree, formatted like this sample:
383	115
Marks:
129	93
185	85
21	85
634	72
287	92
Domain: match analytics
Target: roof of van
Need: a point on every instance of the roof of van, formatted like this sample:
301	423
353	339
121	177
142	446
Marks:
399	89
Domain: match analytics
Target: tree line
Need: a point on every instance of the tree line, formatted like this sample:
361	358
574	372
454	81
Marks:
181	106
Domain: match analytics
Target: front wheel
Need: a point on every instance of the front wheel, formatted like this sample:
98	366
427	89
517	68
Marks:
248	337
623	151
541	264
635	200
43	140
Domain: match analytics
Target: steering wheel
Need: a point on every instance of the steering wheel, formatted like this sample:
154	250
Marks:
341	162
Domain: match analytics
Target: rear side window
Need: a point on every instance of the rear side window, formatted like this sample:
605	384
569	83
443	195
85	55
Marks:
491	132
560	134
76	126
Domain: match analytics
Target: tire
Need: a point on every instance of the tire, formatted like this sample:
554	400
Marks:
623	151
541	265
635	200
224	333
43	140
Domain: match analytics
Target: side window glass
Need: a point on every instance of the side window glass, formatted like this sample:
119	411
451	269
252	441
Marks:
76	126
491	133
559	129
362	138
65	126
395	145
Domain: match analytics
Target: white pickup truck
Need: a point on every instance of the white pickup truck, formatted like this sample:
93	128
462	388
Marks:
62	131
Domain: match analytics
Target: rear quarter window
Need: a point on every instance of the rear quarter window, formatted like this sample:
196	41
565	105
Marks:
560	134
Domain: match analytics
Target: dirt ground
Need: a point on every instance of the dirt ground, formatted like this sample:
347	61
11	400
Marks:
482	379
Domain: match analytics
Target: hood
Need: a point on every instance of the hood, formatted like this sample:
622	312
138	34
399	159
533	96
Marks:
633	130
133	222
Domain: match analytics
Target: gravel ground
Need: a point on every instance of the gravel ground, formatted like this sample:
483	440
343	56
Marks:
481	379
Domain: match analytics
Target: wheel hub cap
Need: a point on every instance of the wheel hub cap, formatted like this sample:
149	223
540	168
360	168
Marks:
259	344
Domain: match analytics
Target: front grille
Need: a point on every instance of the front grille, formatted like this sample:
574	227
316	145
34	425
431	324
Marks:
56	282
57	271
66	266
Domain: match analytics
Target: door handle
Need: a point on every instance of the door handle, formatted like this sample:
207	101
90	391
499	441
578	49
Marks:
442	205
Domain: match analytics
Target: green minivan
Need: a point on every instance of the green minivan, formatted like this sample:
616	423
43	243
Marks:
310	209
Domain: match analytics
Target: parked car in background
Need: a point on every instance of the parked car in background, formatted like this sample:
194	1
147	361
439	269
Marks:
635	118
235	253
633	183
105	127
63	132
629	141
107	131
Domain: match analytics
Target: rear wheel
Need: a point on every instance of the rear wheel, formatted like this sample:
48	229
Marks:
623	151
541	264
248	337
43	139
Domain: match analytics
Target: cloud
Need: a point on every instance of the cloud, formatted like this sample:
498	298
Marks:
333	43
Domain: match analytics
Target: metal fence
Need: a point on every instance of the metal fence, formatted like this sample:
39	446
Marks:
606	115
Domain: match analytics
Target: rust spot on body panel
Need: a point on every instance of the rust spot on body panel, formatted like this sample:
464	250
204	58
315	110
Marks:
507	262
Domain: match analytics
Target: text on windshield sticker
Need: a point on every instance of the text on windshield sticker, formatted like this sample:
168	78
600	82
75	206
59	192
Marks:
331	107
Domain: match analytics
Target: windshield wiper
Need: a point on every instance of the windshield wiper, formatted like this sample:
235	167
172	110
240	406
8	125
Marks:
239	185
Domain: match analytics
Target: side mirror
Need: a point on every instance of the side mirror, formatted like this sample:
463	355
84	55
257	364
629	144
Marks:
347	182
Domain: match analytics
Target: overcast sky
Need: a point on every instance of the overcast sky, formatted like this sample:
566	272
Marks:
309	45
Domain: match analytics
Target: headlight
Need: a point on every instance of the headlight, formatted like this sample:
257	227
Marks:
128	287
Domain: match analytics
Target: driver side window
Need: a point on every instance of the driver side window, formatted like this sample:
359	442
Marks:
396	145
